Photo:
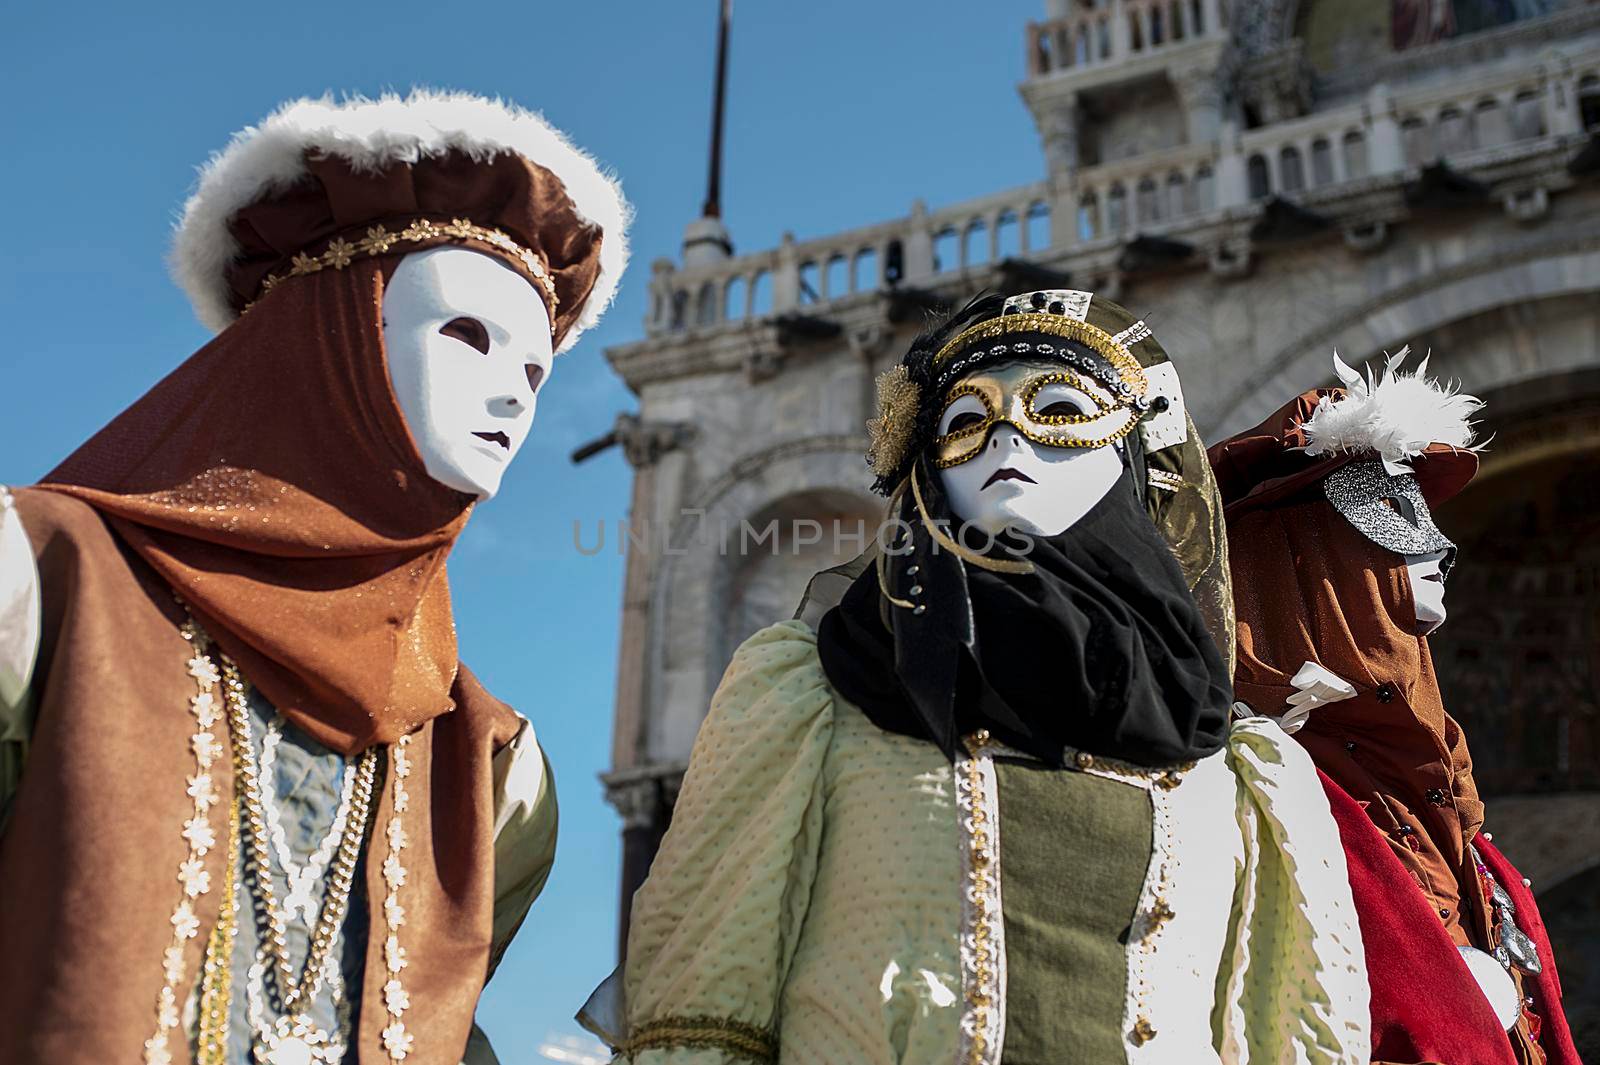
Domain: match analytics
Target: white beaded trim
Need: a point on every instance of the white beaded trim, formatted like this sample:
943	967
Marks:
983	935
396	1040
201	836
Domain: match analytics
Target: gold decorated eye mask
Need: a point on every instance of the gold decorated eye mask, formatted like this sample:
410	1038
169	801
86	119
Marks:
1046	402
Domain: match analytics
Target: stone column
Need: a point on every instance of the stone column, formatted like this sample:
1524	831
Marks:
1560	95
1233	181
1386	152
918	245
1120	44
1201	99
644	823
786	277
1063	210
1058	128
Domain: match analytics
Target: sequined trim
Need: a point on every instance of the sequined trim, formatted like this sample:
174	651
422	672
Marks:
198	833
340	253
983	945
397	1042
705	1033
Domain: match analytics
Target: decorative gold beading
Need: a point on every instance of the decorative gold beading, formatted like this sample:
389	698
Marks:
705	1033
201	838
379	240
982	944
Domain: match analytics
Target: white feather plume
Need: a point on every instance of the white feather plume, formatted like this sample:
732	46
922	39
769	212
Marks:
370	134
1392	412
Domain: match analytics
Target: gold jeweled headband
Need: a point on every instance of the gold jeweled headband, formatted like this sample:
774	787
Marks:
340	253
1133	384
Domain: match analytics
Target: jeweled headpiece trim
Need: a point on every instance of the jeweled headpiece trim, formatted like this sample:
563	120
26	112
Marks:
379	240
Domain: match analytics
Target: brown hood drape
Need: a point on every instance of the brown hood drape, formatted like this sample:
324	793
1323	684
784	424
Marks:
271	480
1309	587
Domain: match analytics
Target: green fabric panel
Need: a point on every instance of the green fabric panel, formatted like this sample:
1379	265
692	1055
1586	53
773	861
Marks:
1074	849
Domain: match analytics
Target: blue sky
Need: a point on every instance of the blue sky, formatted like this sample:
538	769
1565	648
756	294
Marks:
840	114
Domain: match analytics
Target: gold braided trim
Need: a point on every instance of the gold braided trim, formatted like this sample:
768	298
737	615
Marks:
1094	337
705	1033
982	947
340	253
216	986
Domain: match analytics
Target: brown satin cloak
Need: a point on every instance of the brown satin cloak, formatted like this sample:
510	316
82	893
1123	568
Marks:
89	857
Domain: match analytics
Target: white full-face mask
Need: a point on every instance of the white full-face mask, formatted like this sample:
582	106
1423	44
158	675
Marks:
468	343
1427	589
1015	482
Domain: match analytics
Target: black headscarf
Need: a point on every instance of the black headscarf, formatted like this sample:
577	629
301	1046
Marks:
1101	648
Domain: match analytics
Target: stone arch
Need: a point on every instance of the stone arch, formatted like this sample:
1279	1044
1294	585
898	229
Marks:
715	586
1418	312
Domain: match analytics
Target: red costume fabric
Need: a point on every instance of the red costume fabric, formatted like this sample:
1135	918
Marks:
1310	587
1426	1007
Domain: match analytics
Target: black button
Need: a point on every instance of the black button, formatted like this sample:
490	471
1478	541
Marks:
1386	692
1350	745
1435	796
1444	914
1405	830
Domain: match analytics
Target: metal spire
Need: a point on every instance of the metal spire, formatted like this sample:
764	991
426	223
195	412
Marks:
713	204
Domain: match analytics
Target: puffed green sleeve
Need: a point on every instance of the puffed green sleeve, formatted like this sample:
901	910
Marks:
1294	979
524	851
715	926
19	644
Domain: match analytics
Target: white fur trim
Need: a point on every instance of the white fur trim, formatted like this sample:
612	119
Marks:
371	134
1396	414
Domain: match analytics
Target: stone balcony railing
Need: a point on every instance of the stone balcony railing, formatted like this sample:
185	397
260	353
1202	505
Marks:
1113	31
1472	124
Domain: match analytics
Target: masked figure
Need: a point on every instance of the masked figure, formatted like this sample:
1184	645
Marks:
991	809
255	809
1339	575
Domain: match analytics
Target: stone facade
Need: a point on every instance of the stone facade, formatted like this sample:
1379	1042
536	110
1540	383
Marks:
1273	184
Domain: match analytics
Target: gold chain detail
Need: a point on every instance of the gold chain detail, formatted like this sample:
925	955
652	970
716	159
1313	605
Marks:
216	988
340	253
201	837
705	1033
294	995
